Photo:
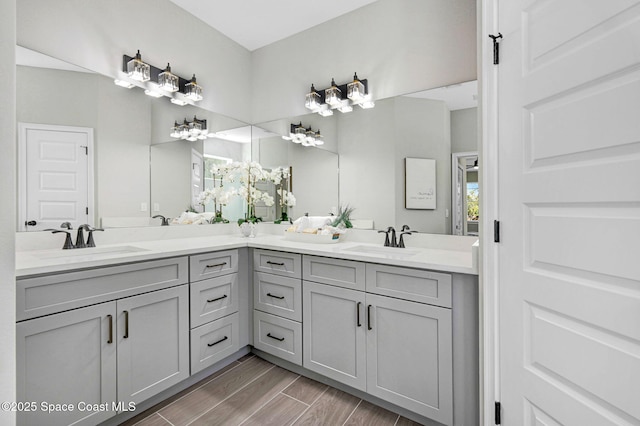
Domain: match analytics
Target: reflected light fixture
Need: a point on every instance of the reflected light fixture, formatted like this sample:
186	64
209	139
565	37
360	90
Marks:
191	130
304	136
138	70
193	90
325	101
168	81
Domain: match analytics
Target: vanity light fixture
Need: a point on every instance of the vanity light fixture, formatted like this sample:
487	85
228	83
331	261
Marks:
138	70
304	136
168	81
193	90
325	101
191	130
159	82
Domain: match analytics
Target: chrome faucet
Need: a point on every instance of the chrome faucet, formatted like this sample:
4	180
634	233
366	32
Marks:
68	242
165	220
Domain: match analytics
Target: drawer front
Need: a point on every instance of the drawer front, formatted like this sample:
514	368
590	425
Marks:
56	293
209	265
275	262
338	272
213	298
214	341
411	284
278	295
278	336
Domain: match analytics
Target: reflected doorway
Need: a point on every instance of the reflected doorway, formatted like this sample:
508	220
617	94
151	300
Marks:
465	196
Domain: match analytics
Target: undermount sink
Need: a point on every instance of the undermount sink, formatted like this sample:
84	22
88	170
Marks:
90	252
391	252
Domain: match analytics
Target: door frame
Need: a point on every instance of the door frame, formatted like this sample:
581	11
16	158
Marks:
22	167
489	211
455	157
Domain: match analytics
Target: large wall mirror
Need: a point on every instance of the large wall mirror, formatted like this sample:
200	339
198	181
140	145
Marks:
369	148
133	168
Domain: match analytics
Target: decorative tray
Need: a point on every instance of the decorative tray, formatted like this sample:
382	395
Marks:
311	238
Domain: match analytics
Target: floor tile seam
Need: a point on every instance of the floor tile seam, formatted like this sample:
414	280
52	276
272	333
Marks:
232	394
271	399
397	420
201	386
352	411
295	399
165	419
309	407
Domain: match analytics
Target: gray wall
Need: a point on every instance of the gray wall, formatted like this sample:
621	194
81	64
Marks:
161	30
464	130
400	46
7	208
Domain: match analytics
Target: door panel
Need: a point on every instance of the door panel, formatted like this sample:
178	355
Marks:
569	148
56	176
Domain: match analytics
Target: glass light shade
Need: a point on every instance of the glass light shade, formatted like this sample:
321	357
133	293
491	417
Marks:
193	90
318	138
175	130
345	108
195	127
325	112
168	81
355	89
184	129
333	95
123	83
312	100
310	135
138	70
367	104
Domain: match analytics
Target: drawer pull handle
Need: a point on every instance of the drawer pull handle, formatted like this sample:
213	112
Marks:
110	329
216	299
358	314
279	339
274	296
275	263
369	318
219	341
216	265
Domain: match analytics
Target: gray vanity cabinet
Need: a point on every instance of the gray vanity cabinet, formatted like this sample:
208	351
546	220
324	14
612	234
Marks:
66	358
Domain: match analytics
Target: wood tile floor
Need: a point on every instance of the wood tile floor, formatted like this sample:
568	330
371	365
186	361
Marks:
254	392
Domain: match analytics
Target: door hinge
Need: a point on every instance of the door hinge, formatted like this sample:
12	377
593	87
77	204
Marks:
496	231
87	210
496	47
497	413
86	149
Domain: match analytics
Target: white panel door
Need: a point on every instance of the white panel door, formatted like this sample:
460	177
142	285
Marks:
197	178
55	176
569	149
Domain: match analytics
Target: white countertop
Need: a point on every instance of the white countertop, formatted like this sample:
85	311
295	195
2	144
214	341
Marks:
35	262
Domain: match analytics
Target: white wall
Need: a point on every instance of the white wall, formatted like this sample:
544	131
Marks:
464	130
94	34
400	46
7	208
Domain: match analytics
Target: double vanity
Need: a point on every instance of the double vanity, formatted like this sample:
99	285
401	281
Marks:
112	330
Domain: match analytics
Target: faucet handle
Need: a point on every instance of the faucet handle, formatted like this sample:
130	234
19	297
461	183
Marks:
386	238
405	228
68	244
90	241
401	243
66	225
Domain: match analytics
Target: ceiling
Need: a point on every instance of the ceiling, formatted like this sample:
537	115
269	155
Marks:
257	23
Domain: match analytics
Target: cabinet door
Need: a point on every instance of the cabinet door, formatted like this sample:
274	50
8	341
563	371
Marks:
67	358
334	333
409	356
153	342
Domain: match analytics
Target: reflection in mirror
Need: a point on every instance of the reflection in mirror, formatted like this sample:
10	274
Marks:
371	146
124	124
314	170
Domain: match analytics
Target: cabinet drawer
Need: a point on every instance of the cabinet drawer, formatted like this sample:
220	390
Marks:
410	284
213	298
278	336
209	265
214	341
278	295
342	273
56	293
276	262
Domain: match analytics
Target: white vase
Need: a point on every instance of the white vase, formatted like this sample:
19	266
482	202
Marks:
248	229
